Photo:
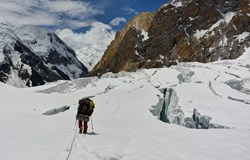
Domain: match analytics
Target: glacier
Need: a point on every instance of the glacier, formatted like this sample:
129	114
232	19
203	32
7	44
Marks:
127	118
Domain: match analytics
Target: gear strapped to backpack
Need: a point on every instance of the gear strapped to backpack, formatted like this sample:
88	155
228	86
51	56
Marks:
86	107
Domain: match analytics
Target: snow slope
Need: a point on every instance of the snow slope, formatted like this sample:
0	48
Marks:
124	126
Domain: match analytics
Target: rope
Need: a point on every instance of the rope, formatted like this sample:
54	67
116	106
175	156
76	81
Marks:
72	142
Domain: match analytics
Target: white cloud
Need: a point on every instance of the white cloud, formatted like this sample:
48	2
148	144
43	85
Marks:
116	21
74	24
129	10
49	13
73	9
89	46
35	19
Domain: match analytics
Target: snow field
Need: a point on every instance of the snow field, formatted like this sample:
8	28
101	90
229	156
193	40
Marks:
124	127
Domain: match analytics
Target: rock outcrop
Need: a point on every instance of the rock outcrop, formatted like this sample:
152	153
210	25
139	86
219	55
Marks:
121	53
180	31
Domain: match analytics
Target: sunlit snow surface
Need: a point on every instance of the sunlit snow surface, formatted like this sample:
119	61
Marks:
124	126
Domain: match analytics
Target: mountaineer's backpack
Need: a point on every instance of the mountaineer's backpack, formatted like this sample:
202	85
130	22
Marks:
86	106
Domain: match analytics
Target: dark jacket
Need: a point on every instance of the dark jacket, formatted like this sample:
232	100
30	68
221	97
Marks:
86	107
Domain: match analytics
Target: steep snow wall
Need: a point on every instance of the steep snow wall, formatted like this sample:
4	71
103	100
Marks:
169	111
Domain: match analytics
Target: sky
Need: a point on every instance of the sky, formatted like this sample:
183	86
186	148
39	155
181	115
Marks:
87	26
76	15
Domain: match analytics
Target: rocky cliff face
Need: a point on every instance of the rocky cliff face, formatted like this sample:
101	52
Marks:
121	53
180	31
31	56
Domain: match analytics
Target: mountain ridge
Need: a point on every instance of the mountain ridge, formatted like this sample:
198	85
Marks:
182	31
32	56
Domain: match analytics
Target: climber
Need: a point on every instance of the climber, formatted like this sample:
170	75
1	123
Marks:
84	111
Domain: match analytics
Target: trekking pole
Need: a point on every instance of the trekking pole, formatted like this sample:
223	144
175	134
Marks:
92	124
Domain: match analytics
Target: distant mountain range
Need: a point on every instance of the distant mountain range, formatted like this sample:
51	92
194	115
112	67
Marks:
31	56
180	31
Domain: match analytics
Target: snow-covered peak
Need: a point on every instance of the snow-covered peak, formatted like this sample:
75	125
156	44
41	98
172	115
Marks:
31	32
37	37
7	36
23	48
49	45
3	21
42	41
6	28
